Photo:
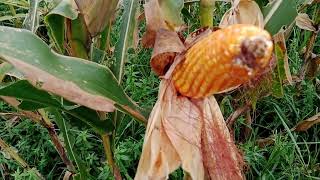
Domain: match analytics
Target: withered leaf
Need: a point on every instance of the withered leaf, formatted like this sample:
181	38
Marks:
279	39
182	123
308	123
158	158
262	143
304	22
166	46
96	13
243	12
191	133
157	17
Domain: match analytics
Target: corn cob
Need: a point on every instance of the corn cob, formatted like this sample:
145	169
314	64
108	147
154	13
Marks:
224	60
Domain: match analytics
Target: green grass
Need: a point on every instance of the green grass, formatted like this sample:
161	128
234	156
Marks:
292	155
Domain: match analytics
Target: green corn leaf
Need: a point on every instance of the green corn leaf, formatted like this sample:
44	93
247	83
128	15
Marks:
278	14
24	90
77	80
126	37
34	98
69	141
55	22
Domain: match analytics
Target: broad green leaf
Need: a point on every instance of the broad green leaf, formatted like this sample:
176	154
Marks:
31	22
24	90
126	37
34	98
30	105
77	80
171	11
279	73
65	9
91	118
55	22
279	13
69	141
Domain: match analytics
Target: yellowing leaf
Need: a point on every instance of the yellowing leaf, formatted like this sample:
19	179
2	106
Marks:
308	123
279	40
304	22
243	12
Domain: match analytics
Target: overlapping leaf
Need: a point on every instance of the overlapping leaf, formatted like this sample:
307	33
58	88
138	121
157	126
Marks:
33	98
77	80
190	133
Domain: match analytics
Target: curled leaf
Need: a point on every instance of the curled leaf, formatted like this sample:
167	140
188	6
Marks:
308	123
161	15
304	22
167	45
243	12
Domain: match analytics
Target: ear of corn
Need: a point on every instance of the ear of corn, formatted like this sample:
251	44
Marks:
224	60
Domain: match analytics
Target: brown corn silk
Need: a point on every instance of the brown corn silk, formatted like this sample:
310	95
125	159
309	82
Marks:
215	64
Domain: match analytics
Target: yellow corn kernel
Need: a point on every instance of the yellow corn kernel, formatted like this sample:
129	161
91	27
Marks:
224	60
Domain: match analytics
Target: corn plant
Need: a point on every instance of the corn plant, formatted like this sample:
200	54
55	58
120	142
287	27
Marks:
58	68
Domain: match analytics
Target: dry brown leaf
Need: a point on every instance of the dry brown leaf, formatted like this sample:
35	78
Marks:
262	143
95	13
158	158
243	12
166	46
280	40
304	22
182	123
191	133
67	175
154	22
308	123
